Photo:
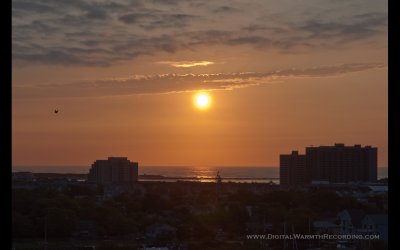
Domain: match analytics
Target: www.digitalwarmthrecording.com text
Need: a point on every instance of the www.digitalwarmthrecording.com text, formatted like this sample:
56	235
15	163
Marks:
312	237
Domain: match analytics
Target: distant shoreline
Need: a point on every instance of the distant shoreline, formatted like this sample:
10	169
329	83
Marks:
176	173
152	177
147	176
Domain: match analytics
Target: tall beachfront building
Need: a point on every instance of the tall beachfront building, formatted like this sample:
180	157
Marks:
114	170
335	164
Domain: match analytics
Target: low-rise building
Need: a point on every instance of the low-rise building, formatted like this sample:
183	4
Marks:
375	224
350	220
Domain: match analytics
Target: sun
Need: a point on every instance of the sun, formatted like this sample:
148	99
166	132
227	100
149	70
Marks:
202	100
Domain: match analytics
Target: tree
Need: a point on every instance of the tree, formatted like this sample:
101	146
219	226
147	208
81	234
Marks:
21	225
60	222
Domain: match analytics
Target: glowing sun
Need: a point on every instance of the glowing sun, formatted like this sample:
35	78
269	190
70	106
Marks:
202	100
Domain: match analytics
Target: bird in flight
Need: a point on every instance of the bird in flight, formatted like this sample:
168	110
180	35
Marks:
56	111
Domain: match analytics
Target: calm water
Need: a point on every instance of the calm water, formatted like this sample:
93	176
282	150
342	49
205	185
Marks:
247	173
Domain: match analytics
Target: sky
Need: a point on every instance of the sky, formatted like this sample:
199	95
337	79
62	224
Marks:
281	75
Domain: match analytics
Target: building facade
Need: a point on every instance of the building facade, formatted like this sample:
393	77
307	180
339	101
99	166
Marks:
293	169
114	170
334	164
342	164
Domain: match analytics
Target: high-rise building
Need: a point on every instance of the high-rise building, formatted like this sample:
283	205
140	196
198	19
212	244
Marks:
341	164
293	169
114	170
335	164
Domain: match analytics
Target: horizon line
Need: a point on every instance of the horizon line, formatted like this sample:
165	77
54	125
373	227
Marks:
152	165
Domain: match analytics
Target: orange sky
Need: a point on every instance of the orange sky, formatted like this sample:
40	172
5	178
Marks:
280	80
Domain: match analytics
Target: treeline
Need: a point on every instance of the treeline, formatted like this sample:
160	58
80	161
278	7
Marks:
197	214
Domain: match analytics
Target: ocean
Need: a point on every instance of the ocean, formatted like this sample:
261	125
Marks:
198	173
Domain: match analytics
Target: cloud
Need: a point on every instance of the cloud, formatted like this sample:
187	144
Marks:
254	40
225	9
176	83
132	18
124	29
31	6
171	21
65	56
364	25
97	14
166	2
155	19
186	64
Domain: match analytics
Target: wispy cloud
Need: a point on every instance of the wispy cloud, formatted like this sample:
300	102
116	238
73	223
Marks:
175	83
186	64
114	31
